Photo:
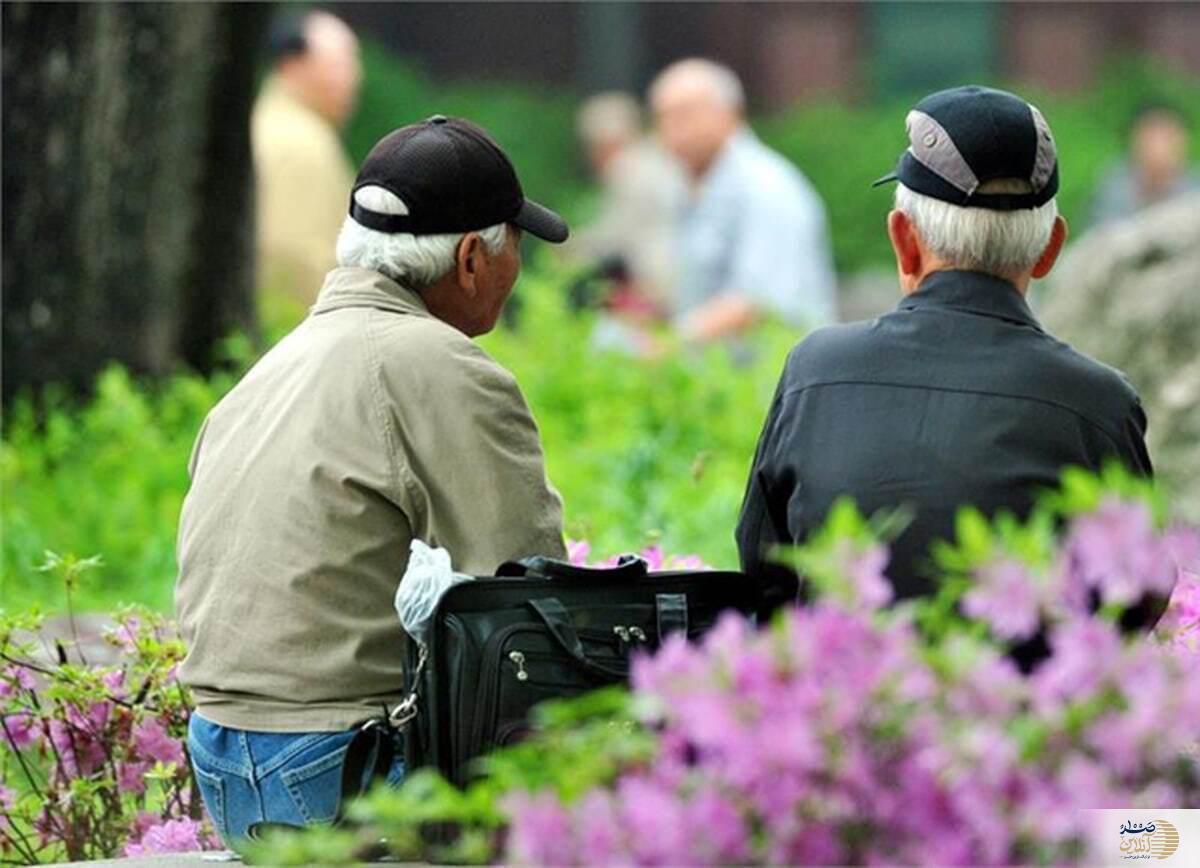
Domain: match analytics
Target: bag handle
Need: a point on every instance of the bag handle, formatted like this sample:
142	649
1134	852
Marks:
558	622
629	568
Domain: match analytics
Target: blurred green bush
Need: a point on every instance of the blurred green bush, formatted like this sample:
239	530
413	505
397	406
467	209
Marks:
642	451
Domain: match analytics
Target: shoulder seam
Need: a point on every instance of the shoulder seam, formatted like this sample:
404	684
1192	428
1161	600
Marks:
1086	418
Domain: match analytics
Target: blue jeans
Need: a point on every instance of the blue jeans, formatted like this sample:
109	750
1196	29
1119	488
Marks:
273	777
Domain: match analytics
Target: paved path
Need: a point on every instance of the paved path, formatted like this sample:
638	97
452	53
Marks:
212	859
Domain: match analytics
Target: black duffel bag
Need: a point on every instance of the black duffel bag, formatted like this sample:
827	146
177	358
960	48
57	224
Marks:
542	629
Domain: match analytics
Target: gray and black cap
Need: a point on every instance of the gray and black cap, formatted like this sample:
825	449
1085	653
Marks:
964	137
452	177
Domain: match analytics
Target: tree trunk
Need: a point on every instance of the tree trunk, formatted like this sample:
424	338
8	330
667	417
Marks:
128	194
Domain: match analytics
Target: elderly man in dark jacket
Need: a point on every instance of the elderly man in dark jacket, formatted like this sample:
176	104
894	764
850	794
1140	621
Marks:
958	396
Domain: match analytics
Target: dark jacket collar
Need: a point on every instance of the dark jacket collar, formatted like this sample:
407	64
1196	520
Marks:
973	292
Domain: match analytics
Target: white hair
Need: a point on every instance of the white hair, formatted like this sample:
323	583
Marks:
417	261
720	80
981	239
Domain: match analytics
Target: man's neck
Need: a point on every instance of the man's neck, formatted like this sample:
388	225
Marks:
909	285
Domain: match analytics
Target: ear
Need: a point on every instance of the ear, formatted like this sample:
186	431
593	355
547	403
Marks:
903	235
1058	237
469	262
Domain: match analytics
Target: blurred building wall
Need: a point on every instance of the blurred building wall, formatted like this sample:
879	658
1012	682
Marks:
784	51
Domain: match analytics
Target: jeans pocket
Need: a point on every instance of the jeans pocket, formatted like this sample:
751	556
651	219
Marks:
212	791
316	787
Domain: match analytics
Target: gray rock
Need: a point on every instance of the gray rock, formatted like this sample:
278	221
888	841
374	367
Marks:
1129	295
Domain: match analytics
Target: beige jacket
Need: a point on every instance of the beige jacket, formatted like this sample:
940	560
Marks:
371	424
302	184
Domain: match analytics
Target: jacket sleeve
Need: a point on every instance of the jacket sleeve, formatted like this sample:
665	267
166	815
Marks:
1137	456
471	474
761	526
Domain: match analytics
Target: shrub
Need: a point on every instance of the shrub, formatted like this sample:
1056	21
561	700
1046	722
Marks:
642	450
93	758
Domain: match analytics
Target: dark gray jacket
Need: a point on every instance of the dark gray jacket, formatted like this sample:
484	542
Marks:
956	397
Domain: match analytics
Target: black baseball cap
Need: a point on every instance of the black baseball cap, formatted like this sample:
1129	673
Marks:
963	137
452	177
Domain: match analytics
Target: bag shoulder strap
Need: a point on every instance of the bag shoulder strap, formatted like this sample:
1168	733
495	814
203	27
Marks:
628	568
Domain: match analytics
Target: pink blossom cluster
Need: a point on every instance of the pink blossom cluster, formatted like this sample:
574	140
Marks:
182	835
1112	556
118	726
1181	622
845	735
579	551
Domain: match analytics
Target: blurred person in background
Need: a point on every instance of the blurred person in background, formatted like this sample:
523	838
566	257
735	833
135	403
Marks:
641	185
752	237
958	396
303	175
1156	169
377	421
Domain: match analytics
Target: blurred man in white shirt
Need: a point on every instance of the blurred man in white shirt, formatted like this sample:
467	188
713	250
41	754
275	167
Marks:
752	239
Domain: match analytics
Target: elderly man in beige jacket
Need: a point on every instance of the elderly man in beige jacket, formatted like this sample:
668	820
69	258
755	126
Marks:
377	421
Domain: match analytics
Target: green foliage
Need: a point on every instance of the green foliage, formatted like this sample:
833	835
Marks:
108	477
642	451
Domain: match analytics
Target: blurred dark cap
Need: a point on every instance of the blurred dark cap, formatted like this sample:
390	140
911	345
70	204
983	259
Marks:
285	38
959	139
452	177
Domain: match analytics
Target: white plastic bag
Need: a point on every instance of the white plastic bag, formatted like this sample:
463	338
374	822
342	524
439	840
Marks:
429	575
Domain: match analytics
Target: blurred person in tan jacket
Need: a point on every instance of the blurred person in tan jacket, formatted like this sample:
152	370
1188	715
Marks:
303	176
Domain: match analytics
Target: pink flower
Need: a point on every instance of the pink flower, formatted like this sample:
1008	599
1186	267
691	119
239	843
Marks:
172	836
601	838
142	824
131	777
80	748
1181	622
151	741
653	817
865	570
14	679
21	730
125	634
1085	655
687	562
8	798
653	556
540	830
114	681
1006	598
716	834
578	551
1117	551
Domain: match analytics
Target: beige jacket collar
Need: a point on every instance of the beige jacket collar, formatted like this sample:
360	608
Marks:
361	287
